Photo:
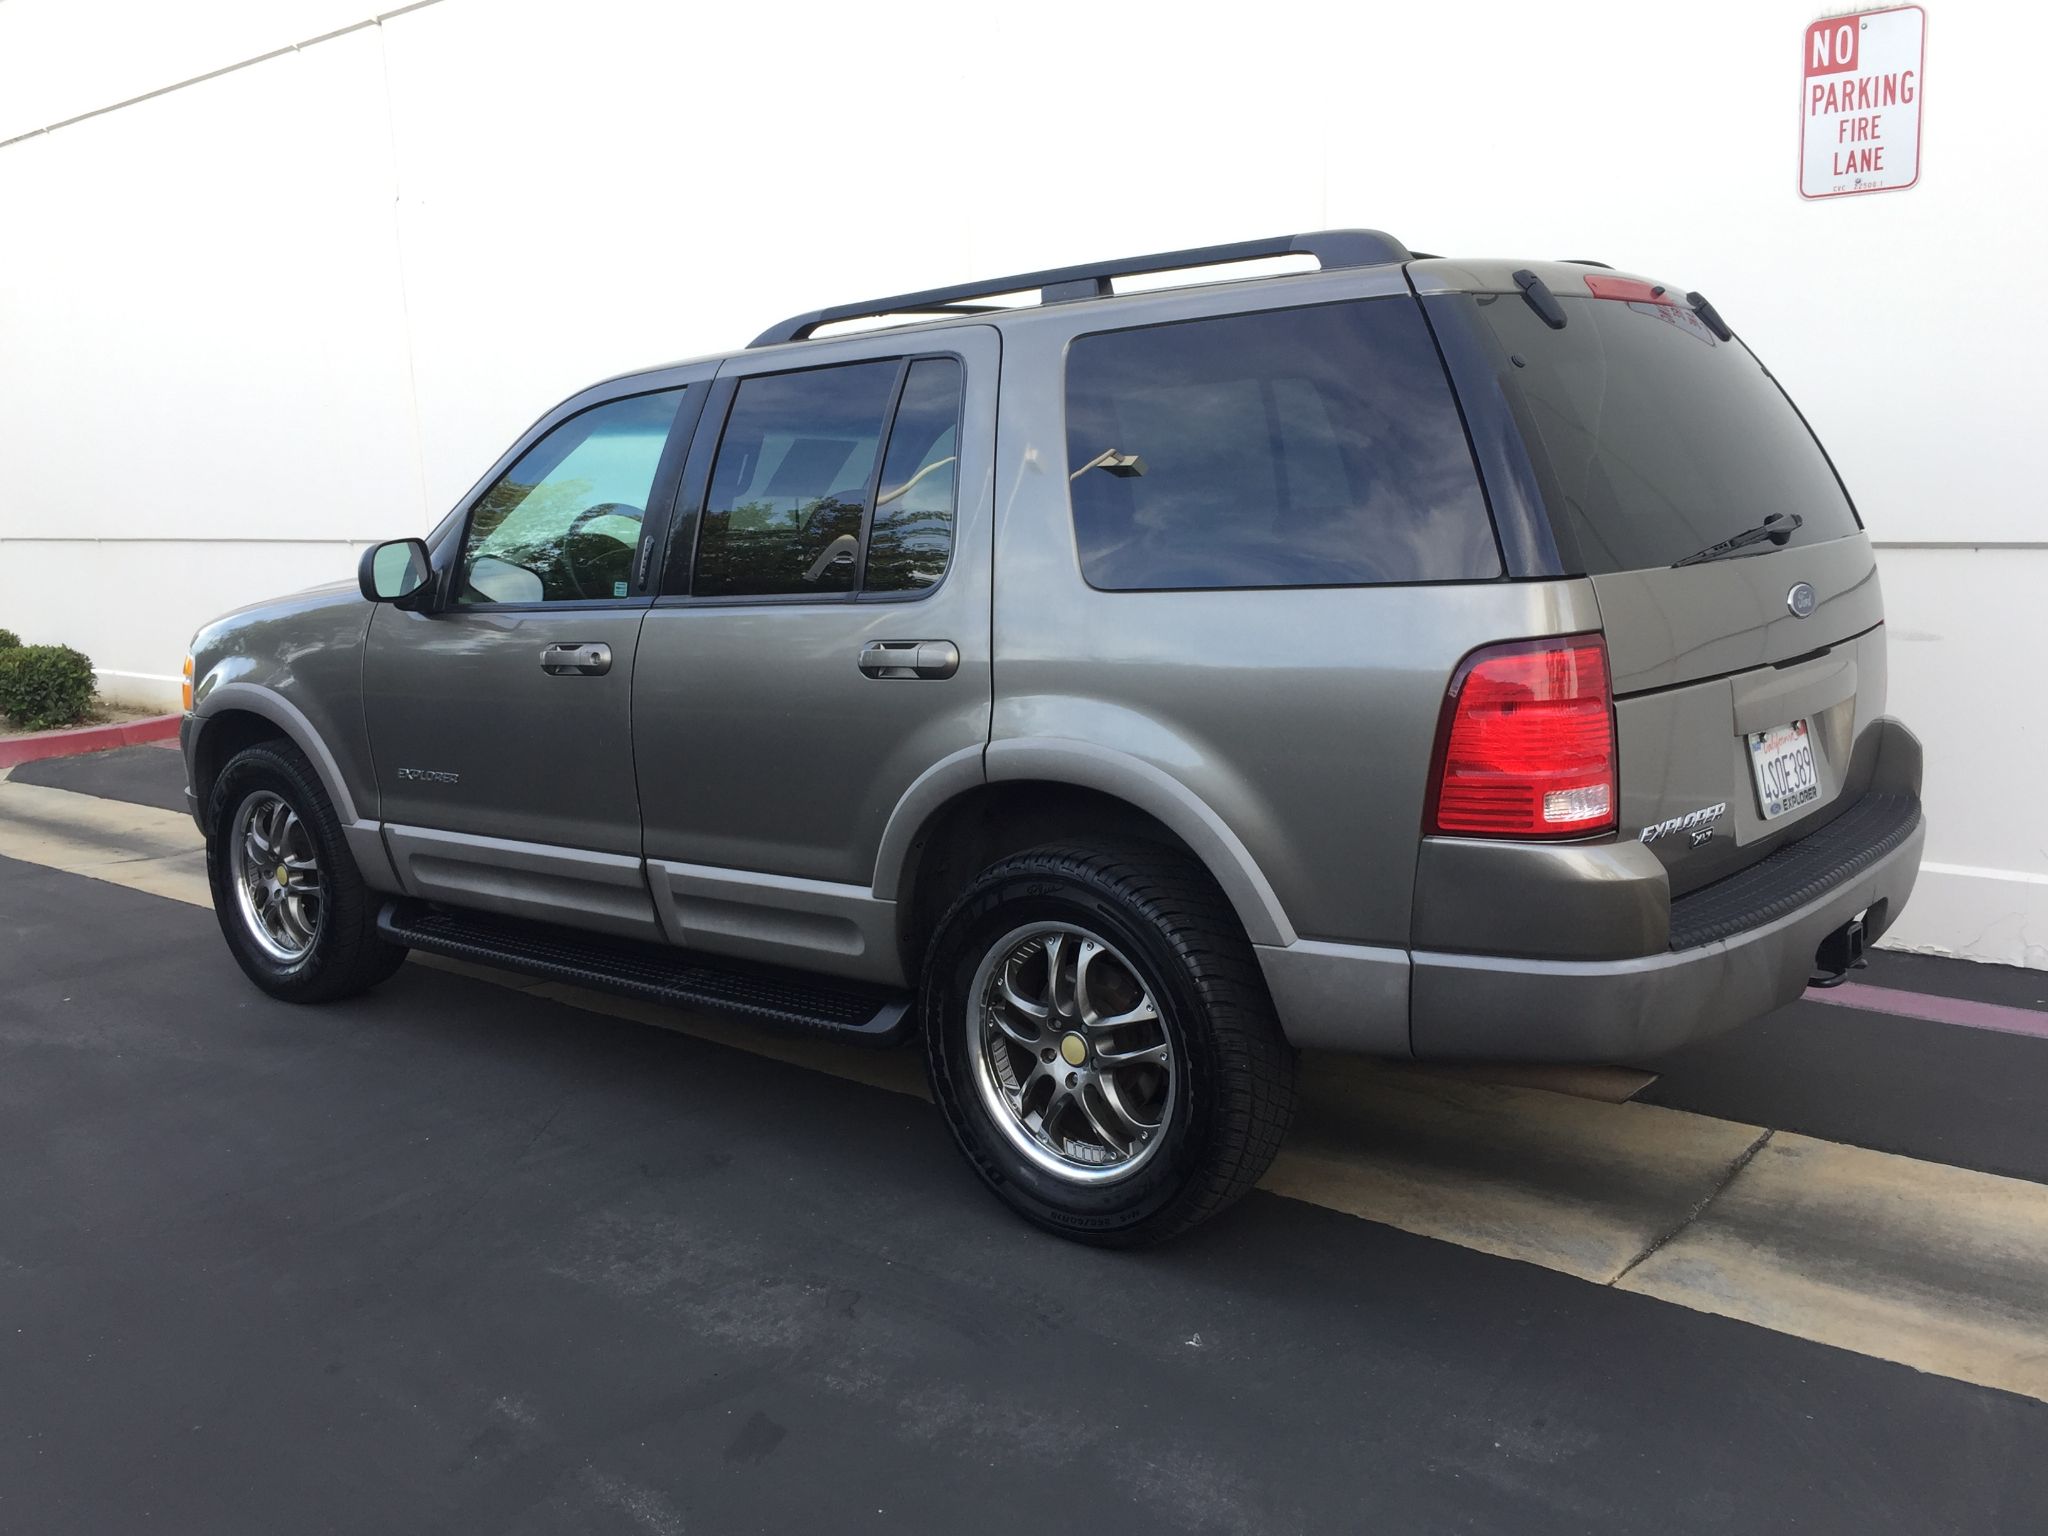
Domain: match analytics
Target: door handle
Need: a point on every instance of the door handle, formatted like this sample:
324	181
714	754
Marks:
593	660
910	658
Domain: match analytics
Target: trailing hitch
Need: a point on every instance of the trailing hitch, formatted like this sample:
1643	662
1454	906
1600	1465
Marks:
1840	953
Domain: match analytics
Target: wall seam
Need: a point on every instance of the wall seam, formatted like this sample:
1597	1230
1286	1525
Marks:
412	372
214	74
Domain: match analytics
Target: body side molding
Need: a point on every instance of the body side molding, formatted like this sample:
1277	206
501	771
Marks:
573	886
816	925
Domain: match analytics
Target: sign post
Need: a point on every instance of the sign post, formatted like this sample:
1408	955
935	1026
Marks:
1859	114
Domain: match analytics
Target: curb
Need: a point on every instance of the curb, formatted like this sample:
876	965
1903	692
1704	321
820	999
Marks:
77	740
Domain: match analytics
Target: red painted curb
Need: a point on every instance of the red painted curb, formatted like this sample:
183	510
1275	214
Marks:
87	738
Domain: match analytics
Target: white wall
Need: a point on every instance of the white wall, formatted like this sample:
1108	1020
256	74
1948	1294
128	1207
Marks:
253	322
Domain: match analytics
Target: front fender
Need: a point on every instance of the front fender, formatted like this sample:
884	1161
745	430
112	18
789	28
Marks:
255	699
363	834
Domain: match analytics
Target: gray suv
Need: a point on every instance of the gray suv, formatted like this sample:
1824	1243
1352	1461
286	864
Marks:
1115	692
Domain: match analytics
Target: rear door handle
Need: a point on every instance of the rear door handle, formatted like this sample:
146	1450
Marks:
910	658
593	660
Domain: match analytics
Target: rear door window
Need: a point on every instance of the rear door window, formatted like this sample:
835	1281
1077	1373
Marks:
834	480
913	523
1317	446
1661	439
790	487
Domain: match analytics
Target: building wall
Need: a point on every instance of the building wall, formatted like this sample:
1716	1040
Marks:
281	277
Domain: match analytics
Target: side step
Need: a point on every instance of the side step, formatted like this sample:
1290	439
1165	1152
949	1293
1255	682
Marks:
660	973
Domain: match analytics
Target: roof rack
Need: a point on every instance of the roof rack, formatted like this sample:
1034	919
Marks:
1332	248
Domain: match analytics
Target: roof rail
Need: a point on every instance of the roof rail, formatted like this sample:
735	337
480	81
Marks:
1333	248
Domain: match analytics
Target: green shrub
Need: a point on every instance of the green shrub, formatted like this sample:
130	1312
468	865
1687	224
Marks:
43	686
9	640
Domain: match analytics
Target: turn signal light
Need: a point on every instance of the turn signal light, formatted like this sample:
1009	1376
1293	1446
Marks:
1526	747
185	691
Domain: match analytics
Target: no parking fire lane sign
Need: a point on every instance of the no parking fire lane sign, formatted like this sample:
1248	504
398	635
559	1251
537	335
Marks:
1859	117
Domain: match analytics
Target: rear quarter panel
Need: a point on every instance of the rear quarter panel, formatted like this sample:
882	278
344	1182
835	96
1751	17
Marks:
1302	720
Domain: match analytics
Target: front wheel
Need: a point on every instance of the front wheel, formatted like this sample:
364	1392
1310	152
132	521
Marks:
1102	1044
291	904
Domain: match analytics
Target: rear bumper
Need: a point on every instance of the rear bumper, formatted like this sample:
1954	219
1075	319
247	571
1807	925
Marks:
1578	952
1625	1010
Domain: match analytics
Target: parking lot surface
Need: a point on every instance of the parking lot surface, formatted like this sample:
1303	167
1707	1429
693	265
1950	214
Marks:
470	1255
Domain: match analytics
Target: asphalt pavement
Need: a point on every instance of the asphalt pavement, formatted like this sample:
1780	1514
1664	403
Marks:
459	1257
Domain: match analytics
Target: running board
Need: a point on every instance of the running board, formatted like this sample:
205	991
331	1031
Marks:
658	972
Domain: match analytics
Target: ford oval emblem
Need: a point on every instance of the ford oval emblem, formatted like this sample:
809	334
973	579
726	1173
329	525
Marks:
1801	600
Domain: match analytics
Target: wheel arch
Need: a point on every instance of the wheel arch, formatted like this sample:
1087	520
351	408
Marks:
1034	793
237	715
234	716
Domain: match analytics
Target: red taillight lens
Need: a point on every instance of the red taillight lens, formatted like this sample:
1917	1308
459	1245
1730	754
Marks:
1528	743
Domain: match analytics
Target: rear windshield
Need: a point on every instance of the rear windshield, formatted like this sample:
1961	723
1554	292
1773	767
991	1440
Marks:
1661	438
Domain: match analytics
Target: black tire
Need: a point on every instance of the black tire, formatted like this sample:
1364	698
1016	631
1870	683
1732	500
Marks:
346	955
1234	1097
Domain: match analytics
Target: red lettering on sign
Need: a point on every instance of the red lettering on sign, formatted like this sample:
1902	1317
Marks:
1831	46
1830	96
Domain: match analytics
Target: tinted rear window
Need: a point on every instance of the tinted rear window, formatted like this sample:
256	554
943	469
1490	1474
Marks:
1661	438
1279	448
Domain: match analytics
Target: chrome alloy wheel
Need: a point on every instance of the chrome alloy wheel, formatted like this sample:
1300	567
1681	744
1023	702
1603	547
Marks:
277	876
1076	1066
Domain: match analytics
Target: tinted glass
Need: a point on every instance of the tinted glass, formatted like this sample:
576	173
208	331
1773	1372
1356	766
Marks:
1662	438
562	524
912	536
1291	447
790	486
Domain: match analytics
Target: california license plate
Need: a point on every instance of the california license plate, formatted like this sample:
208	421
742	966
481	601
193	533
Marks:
1786	775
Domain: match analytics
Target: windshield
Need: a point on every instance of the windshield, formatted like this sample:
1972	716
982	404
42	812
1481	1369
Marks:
1661	439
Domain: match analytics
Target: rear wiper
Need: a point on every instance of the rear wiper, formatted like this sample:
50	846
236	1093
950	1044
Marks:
1778	528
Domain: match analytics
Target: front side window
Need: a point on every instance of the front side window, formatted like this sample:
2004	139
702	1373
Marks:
561	525
1278	448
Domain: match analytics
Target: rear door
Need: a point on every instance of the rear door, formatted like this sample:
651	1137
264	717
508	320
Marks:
1743	684
822	640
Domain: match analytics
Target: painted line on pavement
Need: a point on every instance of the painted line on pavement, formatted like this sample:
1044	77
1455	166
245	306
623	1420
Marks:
1938	1268
1967	1012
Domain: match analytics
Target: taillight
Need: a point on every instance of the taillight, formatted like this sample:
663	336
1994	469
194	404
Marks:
1527	744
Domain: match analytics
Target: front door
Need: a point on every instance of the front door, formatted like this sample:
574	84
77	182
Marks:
500	715
822	641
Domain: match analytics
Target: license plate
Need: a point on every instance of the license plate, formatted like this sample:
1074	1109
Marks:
1786	774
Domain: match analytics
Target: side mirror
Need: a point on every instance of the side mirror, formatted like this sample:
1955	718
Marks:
395	572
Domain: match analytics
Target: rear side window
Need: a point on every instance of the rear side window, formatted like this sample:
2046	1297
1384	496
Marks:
1661	439
1279	448
789	490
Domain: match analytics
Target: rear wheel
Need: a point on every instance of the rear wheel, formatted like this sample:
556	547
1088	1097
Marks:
1102	1044
294	910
